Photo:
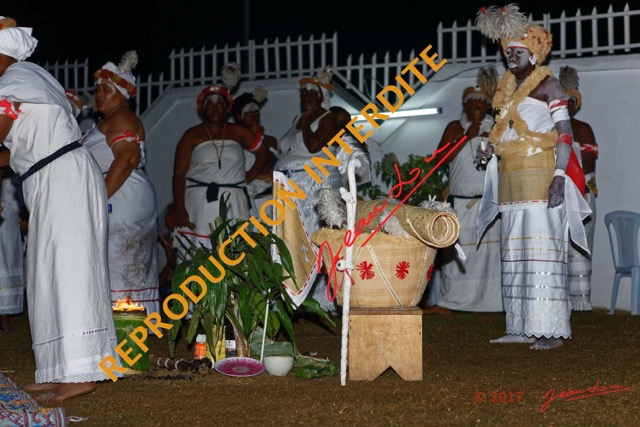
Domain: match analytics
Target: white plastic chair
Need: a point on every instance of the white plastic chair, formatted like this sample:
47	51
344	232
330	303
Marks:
624	236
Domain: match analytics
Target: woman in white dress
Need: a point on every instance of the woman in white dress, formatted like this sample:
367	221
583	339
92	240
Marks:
67	281
210	164
310	132
117	144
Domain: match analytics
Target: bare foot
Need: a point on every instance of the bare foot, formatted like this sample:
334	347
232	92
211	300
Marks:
545	343
64	391
5	323
436	309
513	339
40	386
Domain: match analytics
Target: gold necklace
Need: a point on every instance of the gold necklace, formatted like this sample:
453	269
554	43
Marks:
219	154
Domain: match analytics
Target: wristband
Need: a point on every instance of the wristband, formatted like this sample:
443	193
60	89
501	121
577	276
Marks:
559	172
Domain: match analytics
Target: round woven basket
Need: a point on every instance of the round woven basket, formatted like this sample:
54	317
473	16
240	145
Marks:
389	271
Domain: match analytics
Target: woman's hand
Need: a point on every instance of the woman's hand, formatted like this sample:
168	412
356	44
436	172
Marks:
182	219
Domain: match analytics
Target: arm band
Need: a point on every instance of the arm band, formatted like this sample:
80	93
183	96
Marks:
127	136
590	148
559	110
6	109
257	143
559	172
565	138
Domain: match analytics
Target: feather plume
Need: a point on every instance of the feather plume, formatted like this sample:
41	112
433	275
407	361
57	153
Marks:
486	23
331	208
569	78
392	226
128	62
324	74
512	23
488	80
433	204
260	94
230	75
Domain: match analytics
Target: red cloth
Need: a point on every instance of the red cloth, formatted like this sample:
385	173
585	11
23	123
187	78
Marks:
575	172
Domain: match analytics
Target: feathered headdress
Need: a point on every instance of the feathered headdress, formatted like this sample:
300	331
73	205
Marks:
487	82
260	94
121	75
509	25
230	75
322	80
570	82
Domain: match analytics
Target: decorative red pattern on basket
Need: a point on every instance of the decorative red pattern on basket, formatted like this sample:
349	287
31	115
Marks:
402	269
366	270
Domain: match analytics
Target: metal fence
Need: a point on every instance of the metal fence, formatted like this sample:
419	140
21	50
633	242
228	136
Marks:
573	36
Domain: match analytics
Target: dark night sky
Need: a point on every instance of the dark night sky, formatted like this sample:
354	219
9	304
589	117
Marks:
102	31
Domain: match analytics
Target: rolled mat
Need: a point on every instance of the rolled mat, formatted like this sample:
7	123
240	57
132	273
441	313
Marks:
436	228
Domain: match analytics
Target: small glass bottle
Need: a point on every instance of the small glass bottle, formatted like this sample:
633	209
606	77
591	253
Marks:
199	350
230	342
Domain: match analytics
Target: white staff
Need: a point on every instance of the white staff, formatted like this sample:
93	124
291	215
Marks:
347	267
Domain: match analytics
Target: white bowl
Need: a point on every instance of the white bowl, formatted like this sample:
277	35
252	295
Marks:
278	365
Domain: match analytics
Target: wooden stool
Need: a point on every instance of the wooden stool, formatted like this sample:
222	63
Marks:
381	338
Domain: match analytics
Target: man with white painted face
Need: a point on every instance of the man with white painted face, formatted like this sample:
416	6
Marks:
534	180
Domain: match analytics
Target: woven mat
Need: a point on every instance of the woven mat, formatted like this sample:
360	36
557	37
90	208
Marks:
19	408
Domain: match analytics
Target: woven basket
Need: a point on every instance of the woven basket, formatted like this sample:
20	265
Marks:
389	271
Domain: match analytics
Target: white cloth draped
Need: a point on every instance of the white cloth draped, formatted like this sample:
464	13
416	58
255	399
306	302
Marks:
132	242
204	168
67	280
535	244
580	262
11	258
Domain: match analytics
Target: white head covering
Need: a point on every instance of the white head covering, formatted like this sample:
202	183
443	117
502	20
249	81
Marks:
120	75
17	42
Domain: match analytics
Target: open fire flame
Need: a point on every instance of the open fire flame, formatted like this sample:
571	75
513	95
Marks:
126	305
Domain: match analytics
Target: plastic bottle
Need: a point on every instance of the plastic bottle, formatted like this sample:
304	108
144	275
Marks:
199	350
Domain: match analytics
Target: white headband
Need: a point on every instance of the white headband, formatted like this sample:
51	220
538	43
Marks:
532	59
213	96
17	42
110	66
252	106
324	92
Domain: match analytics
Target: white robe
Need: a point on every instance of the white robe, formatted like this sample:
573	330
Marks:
70	313
11	258
535	243
473	284
132	242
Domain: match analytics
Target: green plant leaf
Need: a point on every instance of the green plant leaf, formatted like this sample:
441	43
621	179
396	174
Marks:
314	306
